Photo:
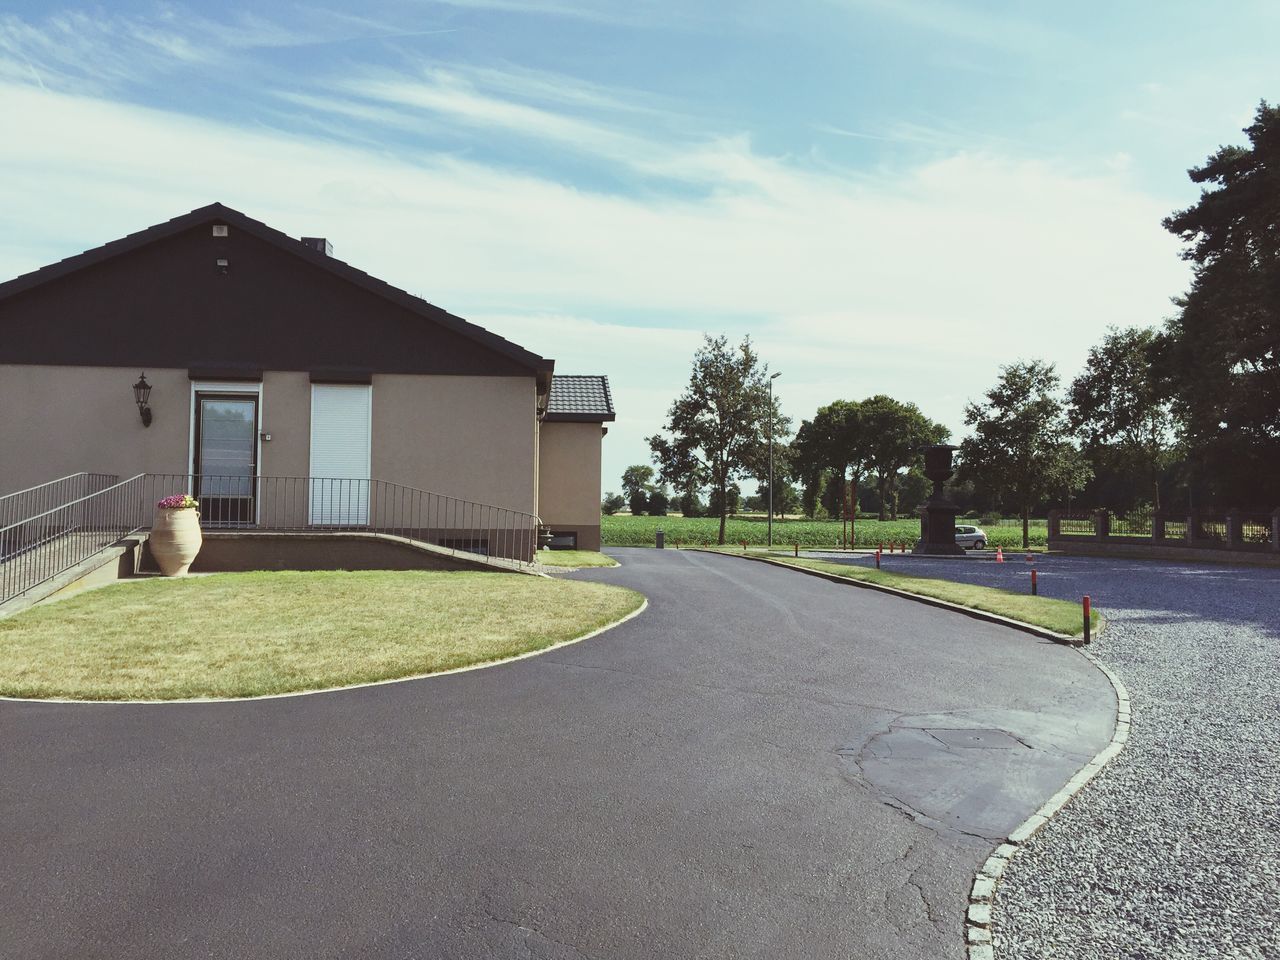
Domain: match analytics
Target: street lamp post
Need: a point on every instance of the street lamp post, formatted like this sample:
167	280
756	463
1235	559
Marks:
771	379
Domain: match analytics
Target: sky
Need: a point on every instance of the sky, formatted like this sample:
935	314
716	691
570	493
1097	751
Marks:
887	196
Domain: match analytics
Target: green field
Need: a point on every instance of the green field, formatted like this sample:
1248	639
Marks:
624	530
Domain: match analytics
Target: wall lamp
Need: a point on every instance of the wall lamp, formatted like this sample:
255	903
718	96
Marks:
141	394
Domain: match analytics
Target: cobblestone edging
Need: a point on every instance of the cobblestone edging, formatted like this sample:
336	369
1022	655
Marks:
981	896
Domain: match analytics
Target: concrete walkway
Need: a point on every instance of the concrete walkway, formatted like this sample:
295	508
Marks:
763	764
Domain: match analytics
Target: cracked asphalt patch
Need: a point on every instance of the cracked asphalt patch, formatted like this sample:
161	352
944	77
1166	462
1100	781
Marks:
695	783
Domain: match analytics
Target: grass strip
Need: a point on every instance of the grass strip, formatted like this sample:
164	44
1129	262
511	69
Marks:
252	634
1060	616
574	559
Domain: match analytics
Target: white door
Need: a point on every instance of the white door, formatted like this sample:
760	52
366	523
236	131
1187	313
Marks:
341	427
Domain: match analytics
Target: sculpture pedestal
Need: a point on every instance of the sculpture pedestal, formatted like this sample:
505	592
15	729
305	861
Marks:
938	530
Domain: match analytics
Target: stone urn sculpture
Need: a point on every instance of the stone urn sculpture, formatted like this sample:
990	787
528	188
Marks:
938	514
175	534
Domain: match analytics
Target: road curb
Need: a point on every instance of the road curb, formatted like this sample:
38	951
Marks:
1031	628
982	894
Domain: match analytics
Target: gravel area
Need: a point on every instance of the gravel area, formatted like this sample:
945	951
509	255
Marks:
1173	851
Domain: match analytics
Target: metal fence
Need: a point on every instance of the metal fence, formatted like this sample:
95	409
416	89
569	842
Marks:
1135	524
1076	524
47	541
1232	530
1256	528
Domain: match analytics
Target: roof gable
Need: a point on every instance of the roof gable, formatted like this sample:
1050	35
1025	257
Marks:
88	286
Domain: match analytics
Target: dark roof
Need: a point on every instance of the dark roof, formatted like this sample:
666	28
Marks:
580	399
218	213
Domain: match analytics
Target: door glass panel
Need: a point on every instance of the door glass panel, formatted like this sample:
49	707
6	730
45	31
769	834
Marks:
226	458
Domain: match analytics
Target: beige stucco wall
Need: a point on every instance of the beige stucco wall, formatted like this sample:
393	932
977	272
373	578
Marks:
60	420
569	481
286	416
468	437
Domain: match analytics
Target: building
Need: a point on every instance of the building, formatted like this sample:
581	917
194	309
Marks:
257	355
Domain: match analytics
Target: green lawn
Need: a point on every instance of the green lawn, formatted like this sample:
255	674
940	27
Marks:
574	559
1060	616
624	530
248	634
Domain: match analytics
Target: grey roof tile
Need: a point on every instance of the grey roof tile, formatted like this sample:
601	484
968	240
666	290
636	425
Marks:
582	398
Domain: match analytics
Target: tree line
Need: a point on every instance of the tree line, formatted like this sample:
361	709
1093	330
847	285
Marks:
1185	413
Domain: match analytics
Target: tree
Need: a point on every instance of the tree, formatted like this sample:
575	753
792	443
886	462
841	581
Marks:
729	505
636	482
1116	407
1019	448
612	503
1221	354
786	500
659	502
717	428
691	504
783	470
836	439
896	435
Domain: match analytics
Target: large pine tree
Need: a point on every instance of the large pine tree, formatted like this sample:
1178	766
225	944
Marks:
1221	353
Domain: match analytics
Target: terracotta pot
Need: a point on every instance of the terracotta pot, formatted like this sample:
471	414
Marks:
175	540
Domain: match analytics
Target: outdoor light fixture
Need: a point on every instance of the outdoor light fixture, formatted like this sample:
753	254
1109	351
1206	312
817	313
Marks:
141	394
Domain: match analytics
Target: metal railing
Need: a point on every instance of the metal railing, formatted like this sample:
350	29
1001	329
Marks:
45	496
335	505
39	546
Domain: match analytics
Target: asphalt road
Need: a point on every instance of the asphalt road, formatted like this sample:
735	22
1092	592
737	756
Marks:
763	764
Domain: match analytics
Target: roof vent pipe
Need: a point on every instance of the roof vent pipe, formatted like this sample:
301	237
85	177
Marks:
319	244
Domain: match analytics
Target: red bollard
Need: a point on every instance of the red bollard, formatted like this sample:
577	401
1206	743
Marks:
1087	618
1033	582
744	546
880	545
797	547
877	559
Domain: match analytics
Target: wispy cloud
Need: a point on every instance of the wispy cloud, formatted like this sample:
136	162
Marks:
78	49
961	20
100	51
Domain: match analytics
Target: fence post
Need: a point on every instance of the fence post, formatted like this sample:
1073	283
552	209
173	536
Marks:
1275	529
1157	527
1055	524
1193	526
1234	532
1102	524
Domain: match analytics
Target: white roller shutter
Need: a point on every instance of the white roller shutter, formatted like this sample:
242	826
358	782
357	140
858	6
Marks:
341	417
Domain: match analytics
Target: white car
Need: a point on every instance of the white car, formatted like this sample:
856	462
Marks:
971	538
